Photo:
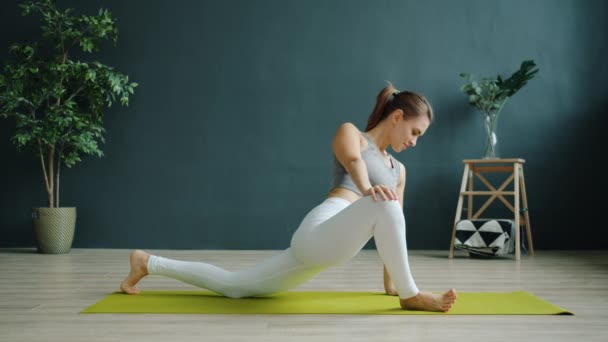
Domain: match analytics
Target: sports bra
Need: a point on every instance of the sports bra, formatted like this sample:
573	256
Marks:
377	170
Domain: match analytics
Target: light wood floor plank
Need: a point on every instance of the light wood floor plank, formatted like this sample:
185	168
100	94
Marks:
41	297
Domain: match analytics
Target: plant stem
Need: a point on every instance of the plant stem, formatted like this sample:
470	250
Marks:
74	94
57	177
502	105
50	160
46	177
51	155
65	55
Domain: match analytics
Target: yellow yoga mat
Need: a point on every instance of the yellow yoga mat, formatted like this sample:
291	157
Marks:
295	302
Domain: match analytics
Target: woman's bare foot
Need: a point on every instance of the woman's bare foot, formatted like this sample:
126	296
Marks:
426	301
390	291
139	269
389	287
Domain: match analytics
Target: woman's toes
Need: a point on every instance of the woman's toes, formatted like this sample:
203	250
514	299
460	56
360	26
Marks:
129	289
451	294
391	292
132	291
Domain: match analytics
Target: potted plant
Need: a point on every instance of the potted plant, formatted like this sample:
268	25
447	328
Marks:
489	97
57	103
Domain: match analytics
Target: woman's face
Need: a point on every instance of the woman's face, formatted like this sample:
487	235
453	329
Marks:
407	131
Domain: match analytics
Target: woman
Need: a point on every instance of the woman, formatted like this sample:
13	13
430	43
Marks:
366	201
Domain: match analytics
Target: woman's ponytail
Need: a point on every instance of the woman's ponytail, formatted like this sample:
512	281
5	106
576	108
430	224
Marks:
377	114
390	99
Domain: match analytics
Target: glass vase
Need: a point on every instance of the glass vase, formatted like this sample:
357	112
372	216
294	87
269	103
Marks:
490	149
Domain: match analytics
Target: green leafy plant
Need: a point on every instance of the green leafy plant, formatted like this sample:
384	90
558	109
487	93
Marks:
489	97
58	102
491	94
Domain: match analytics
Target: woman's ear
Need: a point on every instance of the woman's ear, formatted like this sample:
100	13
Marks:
397	115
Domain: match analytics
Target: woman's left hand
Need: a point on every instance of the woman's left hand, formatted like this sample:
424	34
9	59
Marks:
384	191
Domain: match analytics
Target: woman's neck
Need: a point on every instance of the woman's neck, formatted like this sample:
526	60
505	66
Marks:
379	136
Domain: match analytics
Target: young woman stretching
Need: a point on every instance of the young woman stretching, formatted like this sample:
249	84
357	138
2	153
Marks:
366	201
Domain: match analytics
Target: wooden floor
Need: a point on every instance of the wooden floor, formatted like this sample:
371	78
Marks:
41	297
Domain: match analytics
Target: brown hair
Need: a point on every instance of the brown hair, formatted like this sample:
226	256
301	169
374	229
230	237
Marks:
390	99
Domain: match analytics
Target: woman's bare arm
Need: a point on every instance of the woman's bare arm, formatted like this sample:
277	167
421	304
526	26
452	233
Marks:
347	149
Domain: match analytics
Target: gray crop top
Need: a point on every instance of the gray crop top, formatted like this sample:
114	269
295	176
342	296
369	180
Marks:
378	171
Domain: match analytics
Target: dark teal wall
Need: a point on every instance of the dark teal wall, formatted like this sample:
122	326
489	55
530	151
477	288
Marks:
227	141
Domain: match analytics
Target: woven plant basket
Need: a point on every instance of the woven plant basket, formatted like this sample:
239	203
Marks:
54	229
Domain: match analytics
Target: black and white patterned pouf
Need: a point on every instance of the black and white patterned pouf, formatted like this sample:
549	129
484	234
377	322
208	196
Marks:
485	237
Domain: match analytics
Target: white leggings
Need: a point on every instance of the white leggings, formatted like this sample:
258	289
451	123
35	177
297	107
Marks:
331	233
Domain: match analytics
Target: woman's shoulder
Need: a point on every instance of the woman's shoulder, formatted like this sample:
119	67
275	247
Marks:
351	129
349	126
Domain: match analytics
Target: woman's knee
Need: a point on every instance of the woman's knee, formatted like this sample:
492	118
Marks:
390	213
385	207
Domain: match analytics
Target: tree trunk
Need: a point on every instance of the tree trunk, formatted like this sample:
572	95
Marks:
57	178
42	162
50	159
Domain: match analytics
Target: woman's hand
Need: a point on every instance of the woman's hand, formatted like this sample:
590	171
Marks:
384	191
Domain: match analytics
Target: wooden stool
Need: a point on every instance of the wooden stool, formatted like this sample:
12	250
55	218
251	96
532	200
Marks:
515	168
